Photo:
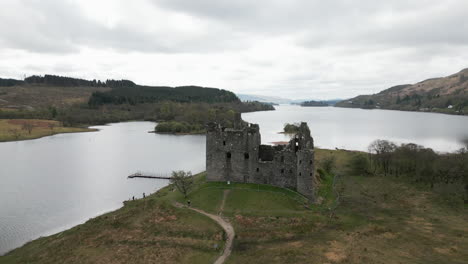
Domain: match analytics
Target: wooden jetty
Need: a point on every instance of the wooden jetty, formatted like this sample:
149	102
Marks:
140	175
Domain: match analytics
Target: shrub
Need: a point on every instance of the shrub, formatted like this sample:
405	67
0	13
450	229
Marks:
359	165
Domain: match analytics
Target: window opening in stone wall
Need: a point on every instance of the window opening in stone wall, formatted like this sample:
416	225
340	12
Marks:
296	146
311	174
258	169
310	162
246	155
224	143
300	161
282	170
228	155
300	173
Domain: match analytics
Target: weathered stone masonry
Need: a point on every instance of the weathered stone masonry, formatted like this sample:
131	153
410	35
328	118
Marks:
235	154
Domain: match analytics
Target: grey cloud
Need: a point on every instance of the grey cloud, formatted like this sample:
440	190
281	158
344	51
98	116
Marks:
60	27
338	22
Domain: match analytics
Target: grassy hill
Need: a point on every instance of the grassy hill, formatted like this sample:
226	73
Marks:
58	91
445	95
31	97
77	102
379	220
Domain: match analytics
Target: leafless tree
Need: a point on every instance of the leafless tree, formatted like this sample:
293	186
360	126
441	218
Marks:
28	126
51	125
382	150
15	132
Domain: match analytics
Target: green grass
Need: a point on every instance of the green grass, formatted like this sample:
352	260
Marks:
244	198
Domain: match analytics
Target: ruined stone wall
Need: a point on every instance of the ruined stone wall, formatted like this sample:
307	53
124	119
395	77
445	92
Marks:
236	155
231	153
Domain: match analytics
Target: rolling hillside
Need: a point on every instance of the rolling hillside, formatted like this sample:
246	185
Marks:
446	95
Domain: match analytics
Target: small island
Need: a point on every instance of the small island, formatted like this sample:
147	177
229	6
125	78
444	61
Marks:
314	103
290	128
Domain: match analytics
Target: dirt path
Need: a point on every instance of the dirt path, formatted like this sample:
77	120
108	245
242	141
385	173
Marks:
221	207
224	224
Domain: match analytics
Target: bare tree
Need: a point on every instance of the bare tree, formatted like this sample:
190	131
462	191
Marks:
382	150
183	181
51	125
28	126
15	133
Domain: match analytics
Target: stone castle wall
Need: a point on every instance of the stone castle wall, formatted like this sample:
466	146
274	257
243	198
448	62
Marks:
235	154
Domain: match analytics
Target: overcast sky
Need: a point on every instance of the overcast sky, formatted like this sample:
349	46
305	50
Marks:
289	48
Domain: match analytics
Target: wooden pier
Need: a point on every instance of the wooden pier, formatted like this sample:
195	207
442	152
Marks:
140	175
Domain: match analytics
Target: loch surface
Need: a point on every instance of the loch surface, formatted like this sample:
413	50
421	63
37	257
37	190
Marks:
51	184
355	129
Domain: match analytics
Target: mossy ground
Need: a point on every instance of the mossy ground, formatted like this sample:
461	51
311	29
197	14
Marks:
379	220
12	129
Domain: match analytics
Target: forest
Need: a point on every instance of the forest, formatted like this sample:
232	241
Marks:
148	94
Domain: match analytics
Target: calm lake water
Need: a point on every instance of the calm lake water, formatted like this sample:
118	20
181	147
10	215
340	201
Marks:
51	184
355	129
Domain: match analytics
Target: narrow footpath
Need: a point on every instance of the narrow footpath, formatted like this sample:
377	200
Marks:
224	223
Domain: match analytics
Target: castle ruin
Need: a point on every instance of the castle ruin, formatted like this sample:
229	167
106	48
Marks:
236	155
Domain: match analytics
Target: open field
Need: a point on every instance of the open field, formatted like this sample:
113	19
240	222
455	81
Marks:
379	220
23	129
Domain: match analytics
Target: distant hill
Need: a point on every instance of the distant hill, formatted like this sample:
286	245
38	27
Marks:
446	95
41	91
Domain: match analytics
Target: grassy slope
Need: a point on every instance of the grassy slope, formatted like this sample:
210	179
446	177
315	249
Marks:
148	230
435	95
41	129
380	220
43	96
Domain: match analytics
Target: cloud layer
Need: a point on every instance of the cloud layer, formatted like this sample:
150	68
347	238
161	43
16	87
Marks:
294	48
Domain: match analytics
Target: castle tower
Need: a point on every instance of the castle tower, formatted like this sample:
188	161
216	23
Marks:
231	153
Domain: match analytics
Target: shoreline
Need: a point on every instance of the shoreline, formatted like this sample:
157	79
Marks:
77	224
11	130
401	110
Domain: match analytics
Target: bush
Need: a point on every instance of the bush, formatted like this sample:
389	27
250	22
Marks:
328	164
359	165
291	128
178	127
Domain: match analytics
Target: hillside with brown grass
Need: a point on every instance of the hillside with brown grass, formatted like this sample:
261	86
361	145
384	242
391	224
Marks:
446	95
27	96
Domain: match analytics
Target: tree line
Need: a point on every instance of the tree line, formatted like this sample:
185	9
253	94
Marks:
416	164
9	82
148	94
186	117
